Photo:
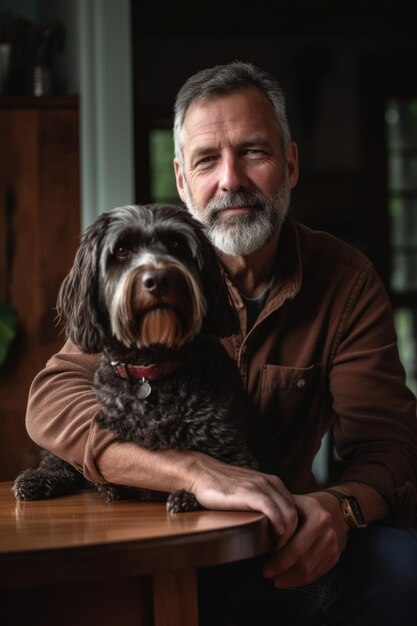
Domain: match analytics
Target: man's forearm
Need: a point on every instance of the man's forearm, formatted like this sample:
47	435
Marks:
215	484
126	463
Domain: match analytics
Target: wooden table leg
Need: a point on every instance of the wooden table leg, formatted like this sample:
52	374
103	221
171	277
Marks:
175	598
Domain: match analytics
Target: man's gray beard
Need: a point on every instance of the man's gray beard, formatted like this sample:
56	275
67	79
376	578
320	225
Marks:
240	235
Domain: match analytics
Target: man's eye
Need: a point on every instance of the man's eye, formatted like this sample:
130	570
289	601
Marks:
254	152
204	161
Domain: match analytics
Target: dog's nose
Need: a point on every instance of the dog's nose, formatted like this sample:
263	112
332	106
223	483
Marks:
157	282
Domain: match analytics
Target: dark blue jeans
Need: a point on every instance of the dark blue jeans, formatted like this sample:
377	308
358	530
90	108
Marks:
374	582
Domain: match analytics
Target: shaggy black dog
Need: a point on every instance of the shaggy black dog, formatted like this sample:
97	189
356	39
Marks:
146	290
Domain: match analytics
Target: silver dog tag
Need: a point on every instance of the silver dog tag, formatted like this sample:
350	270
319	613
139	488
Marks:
144	389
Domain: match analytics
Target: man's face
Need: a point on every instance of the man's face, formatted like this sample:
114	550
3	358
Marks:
235	177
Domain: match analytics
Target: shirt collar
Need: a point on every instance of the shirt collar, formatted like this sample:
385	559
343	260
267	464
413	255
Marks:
289	277
289	270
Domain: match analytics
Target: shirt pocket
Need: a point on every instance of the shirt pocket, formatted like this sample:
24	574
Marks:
288	394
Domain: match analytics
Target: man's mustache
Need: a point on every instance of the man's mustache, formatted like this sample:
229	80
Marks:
233	200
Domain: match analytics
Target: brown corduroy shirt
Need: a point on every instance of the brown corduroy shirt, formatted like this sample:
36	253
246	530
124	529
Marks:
321	356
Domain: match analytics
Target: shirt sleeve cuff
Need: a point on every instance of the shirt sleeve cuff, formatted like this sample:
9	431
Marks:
401	498
99	439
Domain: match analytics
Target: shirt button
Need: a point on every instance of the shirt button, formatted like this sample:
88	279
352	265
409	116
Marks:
301	383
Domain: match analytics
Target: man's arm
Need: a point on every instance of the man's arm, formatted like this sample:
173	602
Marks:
322	535
215	484
61	410
60	418
375	433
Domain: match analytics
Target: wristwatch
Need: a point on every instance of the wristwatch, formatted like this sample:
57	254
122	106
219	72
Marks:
350	508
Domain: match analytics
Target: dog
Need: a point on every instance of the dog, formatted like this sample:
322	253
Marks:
146	290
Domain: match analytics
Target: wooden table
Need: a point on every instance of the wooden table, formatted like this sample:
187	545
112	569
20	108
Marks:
82	561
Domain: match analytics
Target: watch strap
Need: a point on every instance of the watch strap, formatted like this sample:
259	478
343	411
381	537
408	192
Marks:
337	494
350	508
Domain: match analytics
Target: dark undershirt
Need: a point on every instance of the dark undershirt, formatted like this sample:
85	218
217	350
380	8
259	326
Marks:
255	305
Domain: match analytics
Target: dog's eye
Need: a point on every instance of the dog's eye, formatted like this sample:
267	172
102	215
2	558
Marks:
175	245
121	251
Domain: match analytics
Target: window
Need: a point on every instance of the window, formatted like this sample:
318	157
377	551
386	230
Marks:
161	155
406	325
401	142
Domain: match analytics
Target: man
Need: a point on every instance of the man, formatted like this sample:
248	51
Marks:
317	351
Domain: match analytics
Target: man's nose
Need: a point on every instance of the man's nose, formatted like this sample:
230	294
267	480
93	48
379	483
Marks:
232	174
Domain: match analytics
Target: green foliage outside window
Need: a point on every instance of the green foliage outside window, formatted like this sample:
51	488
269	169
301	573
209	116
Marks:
163	187
401	136
8	327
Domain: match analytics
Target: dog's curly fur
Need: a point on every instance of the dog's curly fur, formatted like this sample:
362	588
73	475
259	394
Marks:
146	288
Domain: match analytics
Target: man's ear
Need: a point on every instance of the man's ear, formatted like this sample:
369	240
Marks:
292	163
179	177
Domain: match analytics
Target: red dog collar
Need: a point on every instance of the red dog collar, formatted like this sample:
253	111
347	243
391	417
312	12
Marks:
154	371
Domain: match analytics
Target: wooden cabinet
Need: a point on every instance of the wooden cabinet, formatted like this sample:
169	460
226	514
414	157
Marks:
39	233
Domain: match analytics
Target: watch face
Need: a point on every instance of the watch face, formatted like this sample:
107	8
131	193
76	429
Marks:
357	510
351	509
353	513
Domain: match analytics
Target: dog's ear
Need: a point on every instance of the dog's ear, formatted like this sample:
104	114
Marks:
221	317
78	303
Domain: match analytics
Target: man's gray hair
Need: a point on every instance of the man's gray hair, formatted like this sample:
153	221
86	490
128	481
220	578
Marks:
222	80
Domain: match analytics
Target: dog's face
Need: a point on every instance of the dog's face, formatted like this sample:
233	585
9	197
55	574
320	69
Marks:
145	275
150	272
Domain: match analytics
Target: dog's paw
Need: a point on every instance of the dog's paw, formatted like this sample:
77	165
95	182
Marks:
114	493
181	501
30	485
111	493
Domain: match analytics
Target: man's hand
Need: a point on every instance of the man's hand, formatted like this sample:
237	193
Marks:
316	545
322	535
216	485
220	486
